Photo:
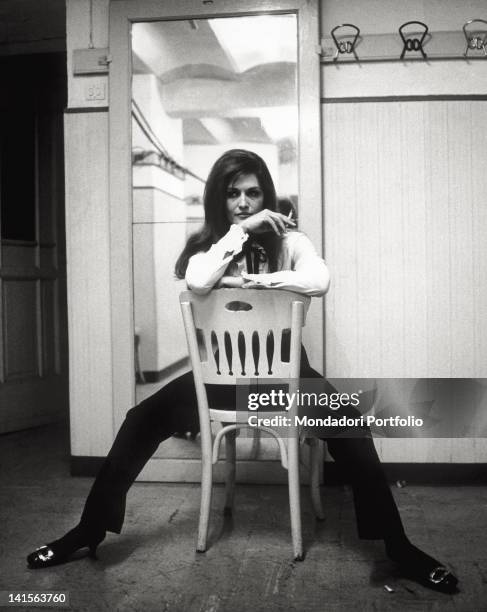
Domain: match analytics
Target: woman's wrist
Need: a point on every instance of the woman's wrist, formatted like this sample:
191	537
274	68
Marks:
233	282
243	226
240	230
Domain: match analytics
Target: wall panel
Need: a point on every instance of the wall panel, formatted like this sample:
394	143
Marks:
21	333
404	227
88	248
405	218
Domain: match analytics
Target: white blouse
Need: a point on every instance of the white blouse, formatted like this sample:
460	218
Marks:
301	269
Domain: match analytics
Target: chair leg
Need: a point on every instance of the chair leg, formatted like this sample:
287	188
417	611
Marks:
294	498
230	467
255	449
138	368
206	490
314	478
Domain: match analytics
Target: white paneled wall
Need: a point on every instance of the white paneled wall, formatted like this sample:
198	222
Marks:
405	227
87	253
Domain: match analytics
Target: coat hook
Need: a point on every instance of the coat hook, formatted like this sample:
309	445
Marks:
413	44
476	39
347	42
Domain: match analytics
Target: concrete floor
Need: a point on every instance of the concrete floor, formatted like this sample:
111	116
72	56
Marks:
153	565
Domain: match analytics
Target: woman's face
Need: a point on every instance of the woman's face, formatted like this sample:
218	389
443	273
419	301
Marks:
244	198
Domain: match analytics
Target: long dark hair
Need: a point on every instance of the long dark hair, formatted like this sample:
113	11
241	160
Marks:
226	169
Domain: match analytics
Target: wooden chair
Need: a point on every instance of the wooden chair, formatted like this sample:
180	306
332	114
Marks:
234	334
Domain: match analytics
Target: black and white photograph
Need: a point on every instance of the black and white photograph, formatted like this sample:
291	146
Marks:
243	305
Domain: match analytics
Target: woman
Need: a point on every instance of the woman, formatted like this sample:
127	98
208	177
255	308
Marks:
244	242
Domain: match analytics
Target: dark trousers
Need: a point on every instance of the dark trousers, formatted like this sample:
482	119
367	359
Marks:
174	409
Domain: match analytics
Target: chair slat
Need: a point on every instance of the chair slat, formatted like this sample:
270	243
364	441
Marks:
242	352
215	349
255	344
270	350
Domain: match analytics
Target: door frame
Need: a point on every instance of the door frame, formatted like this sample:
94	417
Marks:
122	14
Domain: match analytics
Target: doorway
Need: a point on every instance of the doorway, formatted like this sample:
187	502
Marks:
187	83
33	320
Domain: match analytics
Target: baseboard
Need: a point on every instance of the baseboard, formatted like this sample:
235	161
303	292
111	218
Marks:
411	473
422	473
155	376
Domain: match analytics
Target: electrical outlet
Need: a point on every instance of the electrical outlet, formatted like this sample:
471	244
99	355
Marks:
95	92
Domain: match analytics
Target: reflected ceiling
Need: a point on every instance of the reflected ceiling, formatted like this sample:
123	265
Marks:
229	79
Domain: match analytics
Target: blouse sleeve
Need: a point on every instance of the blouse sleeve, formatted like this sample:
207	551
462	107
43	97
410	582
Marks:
309	274
205	269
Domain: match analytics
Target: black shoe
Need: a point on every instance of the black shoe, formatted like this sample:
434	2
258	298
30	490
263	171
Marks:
59	551
417	565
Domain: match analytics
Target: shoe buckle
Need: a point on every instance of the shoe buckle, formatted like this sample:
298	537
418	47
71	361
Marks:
438	574
45	556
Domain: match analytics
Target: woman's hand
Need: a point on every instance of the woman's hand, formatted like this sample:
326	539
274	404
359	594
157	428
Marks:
237	282
234	282
267	221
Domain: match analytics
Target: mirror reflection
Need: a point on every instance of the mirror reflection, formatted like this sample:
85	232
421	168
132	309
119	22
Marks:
199	88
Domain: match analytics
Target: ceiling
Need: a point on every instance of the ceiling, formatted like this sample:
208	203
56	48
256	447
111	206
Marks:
26	20
230	70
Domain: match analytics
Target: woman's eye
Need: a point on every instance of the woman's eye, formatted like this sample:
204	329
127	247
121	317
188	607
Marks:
254	193
232	193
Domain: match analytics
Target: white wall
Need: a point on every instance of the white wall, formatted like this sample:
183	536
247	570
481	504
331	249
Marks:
403	225
78	37
88	274
402	78
87	243
159	233
146	92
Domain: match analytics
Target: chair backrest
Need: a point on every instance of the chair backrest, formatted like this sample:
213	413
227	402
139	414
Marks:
244	333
